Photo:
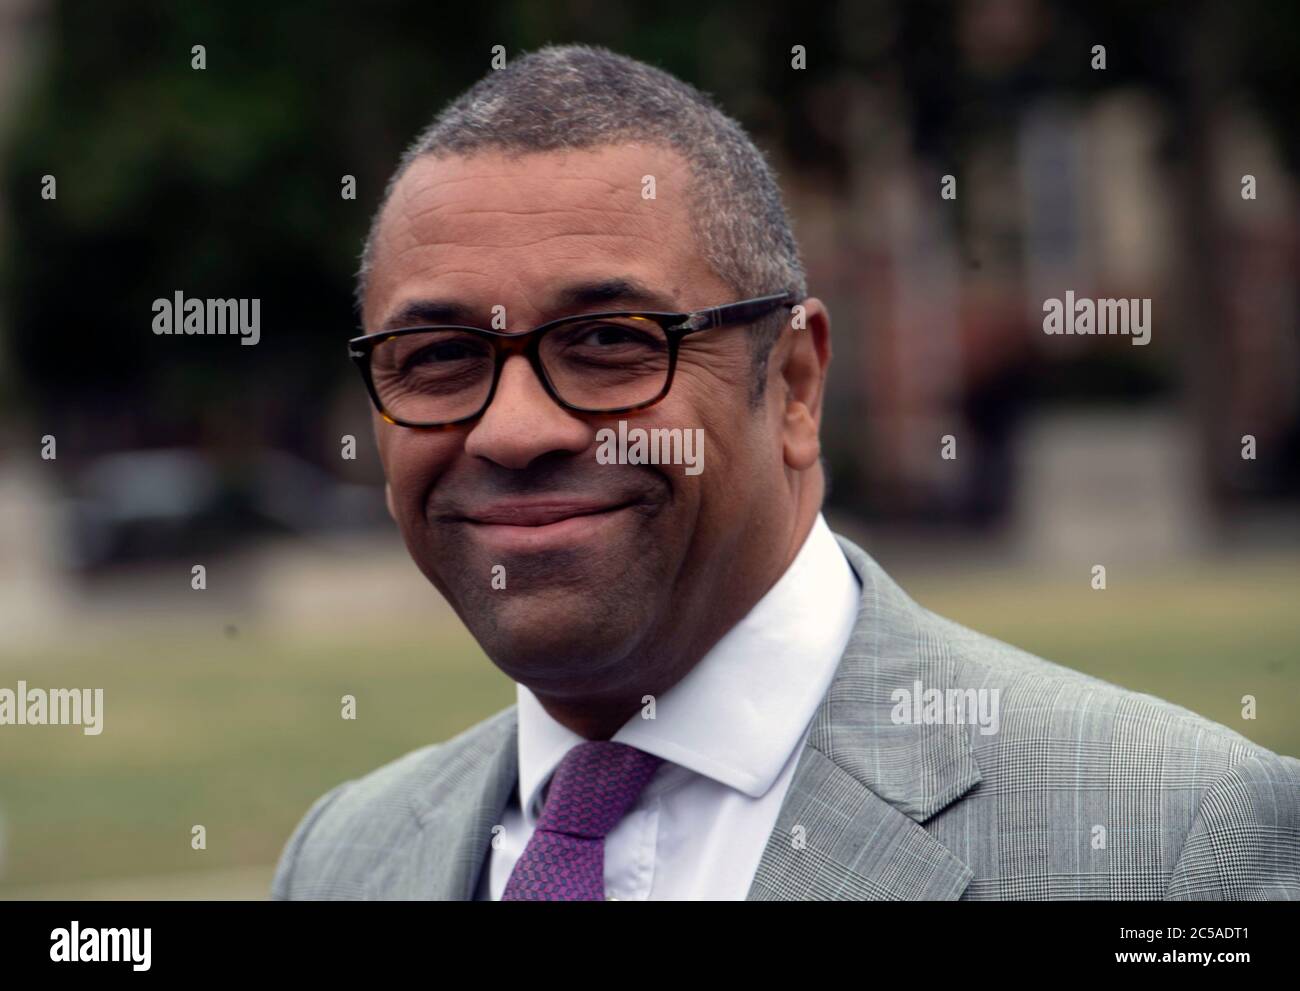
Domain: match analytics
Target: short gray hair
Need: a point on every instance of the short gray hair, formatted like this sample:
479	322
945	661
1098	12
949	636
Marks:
578	96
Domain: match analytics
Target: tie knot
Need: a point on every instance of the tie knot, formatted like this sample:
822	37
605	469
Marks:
594	786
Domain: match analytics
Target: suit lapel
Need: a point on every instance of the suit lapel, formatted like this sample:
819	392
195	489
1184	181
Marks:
850	826
836	840
455	809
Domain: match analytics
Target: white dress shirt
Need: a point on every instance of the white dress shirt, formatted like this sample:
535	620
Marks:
730	733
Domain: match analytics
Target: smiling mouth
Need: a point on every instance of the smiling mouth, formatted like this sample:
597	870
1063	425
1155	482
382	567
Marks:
545	527
539	514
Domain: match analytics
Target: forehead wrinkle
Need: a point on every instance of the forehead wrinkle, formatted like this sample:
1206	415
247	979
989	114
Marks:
535	206
578	162
471	236
514	178
538	212
513	201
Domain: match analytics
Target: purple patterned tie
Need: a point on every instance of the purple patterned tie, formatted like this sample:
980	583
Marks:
592	789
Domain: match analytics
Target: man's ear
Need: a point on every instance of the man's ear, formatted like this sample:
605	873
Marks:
803	353
388	500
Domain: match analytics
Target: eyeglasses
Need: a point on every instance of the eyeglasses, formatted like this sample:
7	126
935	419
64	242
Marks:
437	377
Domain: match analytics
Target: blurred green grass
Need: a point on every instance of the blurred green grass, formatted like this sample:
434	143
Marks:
240	734
1201	636
236	734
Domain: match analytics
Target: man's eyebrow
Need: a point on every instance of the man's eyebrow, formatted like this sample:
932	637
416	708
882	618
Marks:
424	312
615	293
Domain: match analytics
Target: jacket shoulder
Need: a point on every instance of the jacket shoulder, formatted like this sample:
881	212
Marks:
1245	841
373	812
1044	697
1135	797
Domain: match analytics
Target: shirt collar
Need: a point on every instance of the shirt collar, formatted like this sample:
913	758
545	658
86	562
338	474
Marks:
739	713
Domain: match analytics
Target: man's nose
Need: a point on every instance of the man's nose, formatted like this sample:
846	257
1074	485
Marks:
523	422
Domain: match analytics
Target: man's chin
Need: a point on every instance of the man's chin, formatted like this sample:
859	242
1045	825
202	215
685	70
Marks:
555	640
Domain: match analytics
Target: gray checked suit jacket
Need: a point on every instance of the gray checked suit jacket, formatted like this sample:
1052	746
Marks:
1086	791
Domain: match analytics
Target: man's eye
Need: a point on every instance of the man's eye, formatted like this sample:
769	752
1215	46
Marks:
443	352
612	335
605	333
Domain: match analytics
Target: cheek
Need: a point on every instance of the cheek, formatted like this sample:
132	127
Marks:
738	441
413	462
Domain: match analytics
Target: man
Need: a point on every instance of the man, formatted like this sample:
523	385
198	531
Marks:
717	697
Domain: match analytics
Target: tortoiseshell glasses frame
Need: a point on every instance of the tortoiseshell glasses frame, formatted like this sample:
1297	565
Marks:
666	332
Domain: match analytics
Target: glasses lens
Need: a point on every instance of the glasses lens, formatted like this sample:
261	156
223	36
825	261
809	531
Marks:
435	376
607	364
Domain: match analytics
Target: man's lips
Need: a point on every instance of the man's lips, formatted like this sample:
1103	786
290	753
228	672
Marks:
537	513
537	526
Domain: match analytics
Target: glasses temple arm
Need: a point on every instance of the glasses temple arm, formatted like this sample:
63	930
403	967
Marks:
731	313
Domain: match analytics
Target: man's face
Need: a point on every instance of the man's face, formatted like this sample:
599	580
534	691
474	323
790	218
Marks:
612	573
